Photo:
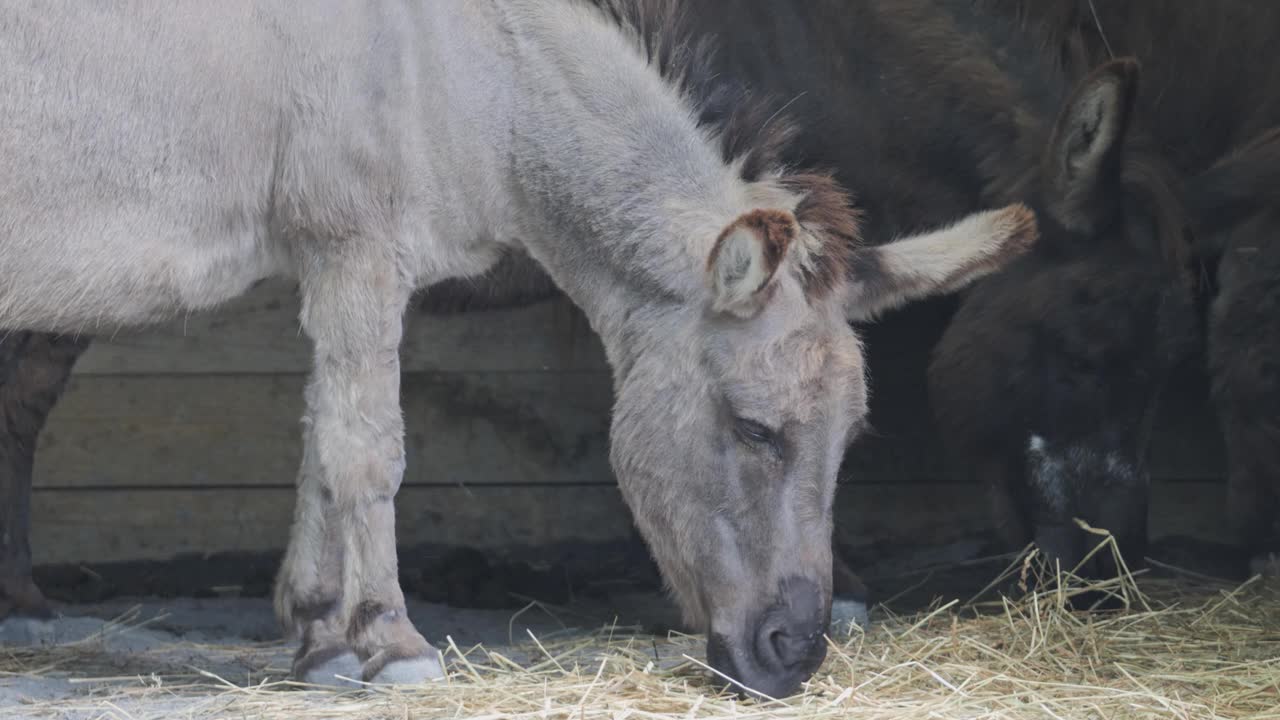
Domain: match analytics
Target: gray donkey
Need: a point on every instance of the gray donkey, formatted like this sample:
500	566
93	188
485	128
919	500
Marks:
160	158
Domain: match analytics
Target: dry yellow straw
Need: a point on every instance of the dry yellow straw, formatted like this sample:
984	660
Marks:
1178	650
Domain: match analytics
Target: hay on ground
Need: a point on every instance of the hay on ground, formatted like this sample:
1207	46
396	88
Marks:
1187	649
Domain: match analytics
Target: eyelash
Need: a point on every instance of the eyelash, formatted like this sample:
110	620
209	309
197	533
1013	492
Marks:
755	433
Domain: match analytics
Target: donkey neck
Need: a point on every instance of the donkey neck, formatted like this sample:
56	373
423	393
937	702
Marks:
622	192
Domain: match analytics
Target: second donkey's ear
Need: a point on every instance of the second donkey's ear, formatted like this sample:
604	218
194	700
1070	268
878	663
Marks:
745	259
1081	167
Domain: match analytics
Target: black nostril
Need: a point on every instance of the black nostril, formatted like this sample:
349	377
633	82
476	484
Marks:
790	650
778	640
786	646
788	637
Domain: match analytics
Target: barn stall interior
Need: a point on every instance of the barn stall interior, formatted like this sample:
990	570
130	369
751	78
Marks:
164	491
163	498
186	439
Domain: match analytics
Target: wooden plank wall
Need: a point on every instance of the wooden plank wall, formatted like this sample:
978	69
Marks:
185	438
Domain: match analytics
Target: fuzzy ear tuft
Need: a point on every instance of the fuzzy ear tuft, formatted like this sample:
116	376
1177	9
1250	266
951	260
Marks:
939	261
746	258
1082	163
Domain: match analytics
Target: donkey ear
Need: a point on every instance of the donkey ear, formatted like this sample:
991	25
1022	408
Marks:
1082	165
937	262
746	258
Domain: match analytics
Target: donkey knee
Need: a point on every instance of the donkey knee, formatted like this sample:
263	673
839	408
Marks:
358	468
365	485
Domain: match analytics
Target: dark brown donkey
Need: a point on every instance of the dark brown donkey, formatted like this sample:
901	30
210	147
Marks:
1244	365
1244	337
1208	104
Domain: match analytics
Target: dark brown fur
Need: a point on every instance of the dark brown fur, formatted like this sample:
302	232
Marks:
1244	335
1212	106
1241	184
827	210
1209	92
1244	367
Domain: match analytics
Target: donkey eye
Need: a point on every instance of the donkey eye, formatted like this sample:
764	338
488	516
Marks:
754	432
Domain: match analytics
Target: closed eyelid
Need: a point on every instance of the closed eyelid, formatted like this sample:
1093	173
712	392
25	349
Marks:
772	426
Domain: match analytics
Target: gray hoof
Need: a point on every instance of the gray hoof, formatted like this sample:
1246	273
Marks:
339	671
411	671
847	613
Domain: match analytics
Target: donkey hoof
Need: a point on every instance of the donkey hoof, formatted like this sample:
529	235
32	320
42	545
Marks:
24	601
847	613
24	611
407	671
338	668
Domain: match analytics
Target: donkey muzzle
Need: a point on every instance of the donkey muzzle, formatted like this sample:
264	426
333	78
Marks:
779	647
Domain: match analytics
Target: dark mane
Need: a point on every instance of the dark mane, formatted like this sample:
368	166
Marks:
1243	182
752	129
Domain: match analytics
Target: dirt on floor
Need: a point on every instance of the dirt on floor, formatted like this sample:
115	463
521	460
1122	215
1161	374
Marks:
237	640
120	655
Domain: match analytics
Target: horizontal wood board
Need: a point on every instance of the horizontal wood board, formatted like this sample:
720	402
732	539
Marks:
97	526
185	438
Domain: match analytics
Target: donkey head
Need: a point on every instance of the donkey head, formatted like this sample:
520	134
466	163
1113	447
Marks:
733	417
1048	377
729	427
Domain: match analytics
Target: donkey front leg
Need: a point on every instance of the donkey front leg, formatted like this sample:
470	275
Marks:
338	591
33	372
1253	490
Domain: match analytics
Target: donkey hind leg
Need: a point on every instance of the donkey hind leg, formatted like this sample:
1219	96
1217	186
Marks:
1006	504
849	597
338	590
33	372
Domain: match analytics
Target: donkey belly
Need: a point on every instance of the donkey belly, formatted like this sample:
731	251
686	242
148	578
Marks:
92	264
136	161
